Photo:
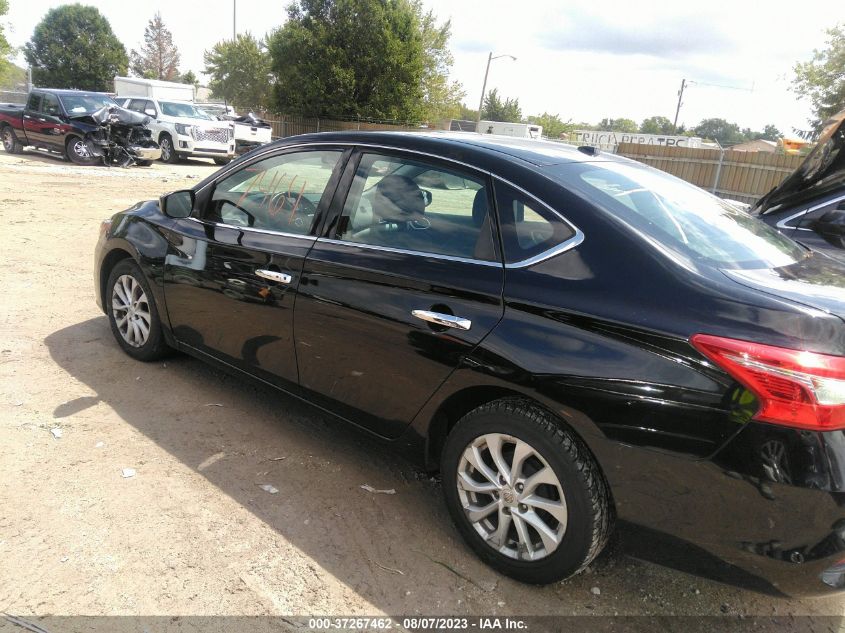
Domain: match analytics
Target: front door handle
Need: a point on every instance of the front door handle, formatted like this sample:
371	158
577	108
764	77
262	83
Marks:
446	320
274	275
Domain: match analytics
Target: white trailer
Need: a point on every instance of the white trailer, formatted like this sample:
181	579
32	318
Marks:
503	128
153	88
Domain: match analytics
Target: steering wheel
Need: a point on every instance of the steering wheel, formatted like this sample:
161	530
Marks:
298	209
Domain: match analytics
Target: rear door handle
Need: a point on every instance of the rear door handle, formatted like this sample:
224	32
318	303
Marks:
273	275
446	320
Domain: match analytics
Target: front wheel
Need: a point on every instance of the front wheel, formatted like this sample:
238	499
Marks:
132	312
143	163
168	152
222	161
78	152
525	492
10	141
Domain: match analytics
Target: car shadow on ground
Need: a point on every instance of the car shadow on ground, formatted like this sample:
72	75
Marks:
319	464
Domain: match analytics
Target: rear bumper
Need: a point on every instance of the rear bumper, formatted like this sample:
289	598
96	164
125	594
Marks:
740	517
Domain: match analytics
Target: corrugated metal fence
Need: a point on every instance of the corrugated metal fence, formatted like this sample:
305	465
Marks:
743	176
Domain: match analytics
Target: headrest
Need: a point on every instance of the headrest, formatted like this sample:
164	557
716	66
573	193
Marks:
479	206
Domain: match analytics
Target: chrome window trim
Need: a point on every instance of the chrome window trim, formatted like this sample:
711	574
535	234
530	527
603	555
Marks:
402	251
250	229
783	224
573	242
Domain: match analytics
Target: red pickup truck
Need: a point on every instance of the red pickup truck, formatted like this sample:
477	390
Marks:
55	120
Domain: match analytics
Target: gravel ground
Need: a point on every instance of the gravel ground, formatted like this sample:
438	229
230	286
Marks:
192	532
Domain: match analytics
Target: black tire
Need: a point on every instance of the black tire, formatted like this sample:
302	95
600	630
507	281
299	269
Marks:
10	141
222	161
76	151
143	163
168	152
589	508
154	346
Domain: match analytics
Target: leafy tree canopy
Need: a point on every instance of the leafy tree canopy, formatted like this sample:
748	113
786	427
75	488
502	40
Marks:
720	130
822	79
657	125
189	78
618	125
5	47
158	57
495	109
240	71
74	47
552	124
380	59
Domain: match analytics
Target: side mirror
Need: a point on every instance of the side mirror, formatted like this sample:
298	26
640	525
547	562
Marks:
150	112
177	204
427	196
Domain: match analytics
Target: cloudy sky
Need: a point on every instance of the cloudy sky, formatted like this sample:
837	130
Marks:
582	59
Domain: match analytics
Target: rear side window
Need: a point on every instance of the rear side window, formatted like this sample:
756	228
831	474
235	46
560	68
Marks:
34	102
528	227
50	105
278	194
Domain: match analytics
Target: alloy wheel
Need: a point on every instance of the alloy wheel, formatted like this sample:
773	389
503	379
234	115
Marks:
165	149
512	497
131	310
8	140
80	148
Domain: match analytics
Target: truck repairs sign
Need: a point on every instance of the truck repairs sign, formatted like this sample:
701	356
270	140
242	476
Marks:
610	140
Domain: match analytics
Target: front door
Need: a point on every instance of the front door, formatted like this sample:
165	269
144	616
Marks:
406	282
231	283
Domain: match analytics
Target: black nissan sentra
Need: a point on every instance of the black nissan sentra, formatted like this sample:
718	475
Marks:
574	340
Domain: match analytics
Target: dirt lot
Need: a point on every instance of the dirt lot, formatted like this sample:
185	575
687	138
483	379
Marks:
192	533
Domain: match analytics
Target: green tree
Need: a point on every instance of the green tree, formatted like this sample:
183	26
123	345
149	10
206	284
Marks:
442	98
74	47
240	71
467	114
552	124
189	78
720	130
770	133
158	57
497	110
822	79
5	47
618	125
367	58
657	125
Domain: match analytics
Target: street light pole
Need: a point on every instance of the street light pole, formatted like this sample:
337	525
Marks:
490	58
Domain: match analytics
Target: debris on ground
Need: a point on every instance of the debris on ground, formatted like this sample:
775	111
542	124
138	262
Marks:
390	569
214	404
376	491
57	432
595	591
126	473
269	488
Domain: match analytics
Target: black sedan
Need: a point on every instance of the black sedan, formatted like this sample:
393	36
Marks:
809	206
570	338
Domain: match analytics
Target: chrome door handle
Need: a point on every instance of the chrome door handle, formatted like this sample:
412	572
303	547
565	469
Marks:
273	275
446	320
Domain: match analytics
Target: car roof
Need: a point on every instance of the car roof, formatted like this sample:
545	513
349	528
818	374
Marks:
536	152
65	91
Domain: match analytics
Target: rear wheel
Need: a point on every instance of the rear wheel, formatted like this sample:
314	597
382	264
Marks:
524	492
10	141
168	152
77	151
132	313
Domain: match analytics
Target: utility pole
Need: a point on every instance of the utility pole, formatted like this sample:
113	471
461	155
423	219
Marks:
490	58
234	20
680	96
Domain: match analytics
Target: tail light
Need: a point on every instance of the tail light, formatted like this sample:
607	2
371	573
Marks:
795	388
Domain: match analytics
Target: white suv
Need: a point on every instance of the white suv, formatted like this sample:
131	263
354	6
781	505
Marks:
182	129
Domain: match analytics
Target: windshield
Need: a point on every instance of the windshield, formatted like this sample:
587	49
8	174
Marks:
172	108
84	104
680	216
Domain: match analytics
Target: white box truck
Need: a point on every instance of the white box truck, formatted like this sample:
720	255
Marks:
503	128
180	127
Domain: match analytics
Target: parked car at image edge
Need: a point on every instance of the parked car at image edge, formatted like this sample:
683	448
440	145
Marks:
575	341
809	206
50	120
182	130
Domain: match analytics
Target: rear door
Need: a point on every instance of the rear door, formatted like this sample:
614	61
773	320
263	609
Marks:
405	282
232	278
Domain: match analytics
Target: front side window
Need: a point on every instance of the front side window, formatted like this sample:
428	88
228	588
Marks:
418	206
34	103
528	227
278	194
681	217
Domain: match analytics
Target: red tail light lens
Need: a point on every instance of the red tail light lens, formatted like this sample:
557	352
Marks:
801	389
